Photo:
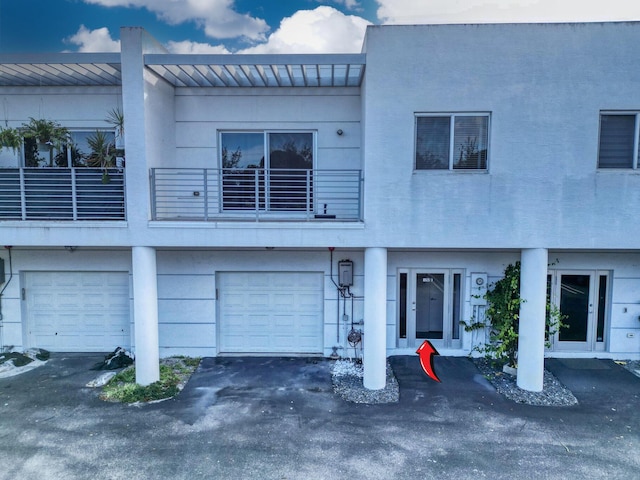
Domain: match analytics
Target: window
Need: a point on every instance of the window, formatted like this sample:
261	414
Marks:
452	142
618	140
81	151
267	170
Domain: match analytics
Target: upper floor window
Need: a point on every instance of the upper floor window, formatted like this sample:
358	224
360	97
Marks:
85	148
618	140
452	141
267	170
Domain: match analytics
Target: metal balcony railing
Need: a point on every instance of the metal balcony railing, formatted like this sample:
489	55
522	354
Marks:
255	194
62	194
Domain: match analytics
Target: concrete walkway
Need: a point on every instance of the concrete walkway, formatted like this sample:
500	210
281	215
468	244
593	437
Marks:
274	418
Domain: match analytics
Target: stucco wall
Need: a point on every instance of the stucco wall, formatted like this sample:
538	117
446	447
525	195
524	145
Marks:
187	289
544	87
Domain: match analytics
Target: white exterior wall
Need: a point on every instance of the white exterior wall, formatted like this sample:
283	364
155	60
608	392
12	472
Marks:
544	87
201	113
187	293
75	108
622	325
187	281
49	259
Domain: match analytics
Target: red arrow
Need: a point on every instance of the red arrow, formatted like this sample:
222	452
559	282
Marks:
426	352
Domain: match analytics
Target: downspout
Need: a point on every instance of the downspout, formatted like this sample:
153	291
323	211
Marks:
8	247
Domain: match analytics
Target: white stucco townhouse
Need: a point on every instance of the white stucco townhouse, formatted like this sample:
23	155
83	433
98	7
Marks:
328	204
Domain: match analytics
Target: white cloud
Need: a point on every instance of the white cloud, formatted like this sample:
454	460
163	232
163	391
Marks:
187	46
98	40
217	18
484	11
349	4
323	30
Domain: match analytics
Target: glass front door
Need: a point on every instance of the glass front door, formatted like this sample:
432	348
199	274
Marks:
581	297
429	308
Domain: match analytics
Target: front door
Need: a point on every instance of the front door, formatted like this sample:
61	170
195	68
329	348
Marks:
429	308
581	297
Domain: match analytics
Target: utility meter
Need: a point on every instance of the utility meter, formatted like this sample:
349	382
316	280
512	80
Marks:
345	273
478	288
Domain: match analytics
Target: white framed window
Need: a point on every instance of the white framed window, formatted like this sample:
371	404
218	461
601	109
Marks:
618	142
452	141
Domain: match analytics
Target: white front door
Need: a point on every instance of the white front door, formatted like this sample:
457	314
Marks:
77	311
270	312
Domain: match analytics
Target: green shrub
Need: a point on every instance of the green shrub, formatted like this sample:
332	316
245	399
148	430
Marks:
122	387
503	318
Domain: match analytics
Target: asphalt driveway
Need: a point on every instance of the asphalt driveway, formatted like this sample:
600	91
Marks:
277	418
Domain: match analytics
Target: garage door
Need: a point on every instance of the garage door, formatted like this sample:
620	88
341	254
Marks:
270	312
78	311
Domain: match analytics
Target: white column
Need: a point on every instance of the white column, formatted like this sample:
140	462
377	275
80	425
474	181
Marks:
145	311
375	318
533	291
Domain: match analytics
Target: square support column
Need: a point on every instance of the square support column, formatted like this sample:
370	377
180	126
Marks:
145	312
533	311
375	318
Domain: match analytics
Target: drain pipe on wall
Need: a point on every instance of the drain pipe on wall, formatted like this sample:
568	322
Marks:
340	293
6	284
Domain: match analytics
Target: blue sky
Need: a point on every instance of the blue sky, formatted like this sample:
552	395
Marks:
263	26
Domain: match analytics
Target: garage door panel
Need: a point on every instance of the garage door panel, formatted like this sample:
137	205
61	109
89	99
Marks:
78	311
271	312
257	301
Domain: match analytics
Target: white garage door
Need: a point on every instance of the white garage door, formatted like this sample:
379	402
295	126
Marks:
78	311
271	312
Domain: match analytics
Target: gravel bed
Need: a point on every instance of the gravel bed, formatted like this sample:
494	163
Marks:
553	393
347	382
347	376
632	365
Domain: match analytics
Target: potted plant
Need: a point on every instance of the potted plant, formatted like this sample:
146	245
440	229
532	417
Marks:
47	134
103	153
115	117
10	138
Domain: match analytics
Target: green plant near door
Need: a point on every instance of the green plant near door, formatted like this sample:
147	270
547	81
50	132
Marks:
503	318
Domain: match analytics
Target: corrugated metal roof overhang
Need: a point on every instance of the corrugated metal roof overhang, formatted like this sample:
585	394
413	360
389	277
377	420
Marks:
60	69
296	70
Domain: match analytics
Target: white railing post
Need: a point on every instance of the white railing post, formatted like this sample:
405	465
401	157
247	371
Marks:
23	196
257	192
309	206
152	190
206	193
74	196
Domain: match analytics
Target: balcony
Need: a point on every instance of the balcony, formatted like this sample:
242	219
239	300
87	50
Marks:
255	194
61	194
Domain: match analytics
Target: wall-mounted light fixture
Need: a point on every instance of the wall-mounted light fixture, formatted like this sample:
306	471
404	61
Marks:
340	132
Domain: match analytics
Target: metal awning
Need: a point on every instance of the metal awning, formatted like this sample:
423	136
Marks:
60	69
296	70
104	69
